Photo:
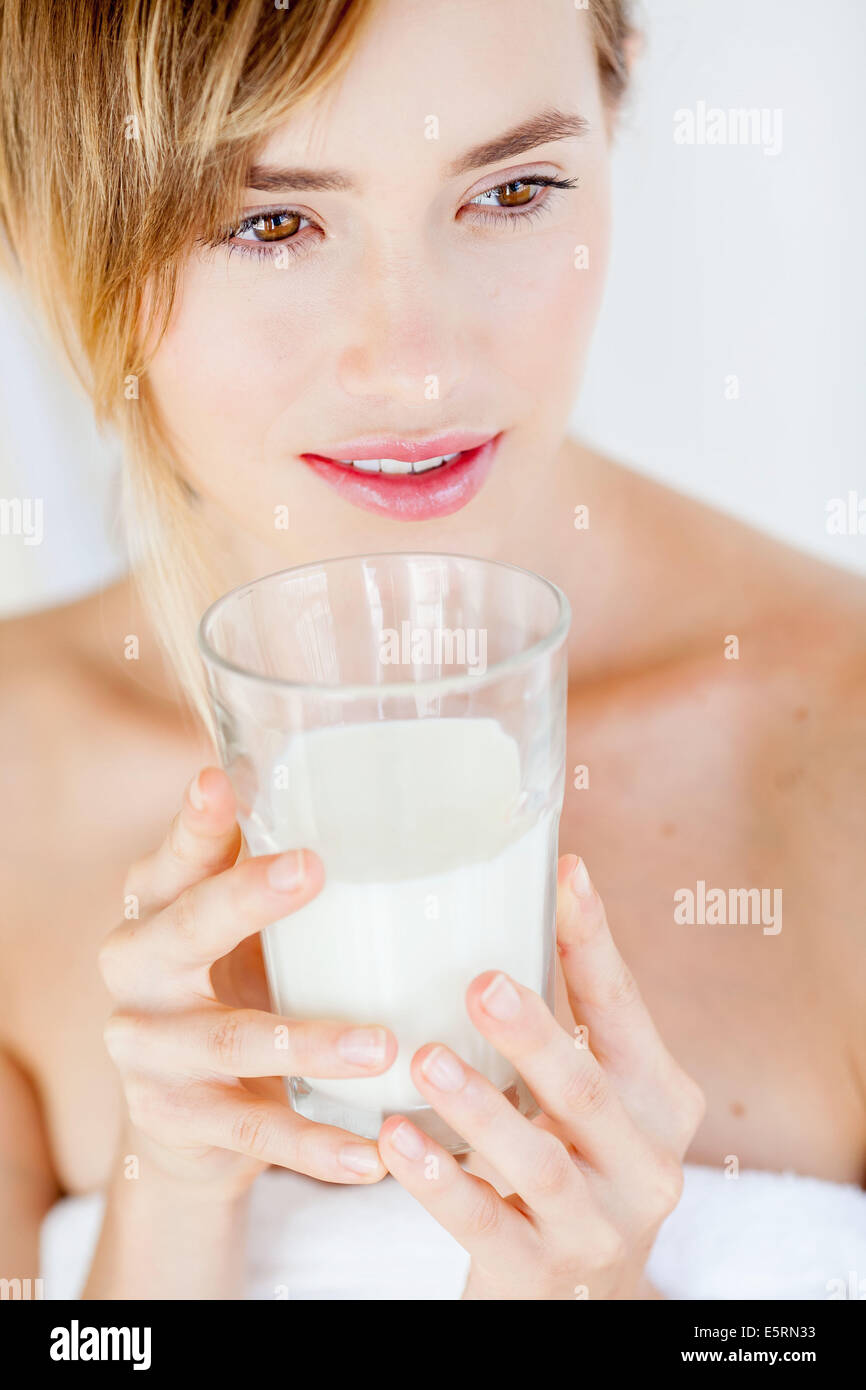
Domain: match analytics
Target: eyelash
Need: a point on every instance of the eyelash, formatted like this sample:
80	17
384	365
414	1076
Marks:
267	252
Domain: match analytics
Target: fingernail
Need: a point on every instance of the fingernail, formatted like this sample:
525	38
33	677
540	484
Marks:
443	1069
196	800
500	999
581	881
359	1158
408	1141
366	1046
287	872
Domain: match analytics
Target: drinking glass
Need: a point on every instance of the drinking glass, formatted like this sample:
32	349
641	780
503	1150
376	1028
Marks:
403	715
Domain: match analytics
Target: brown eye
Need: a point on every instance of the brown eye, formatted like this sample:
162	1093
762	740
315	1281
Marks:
509	199
275	226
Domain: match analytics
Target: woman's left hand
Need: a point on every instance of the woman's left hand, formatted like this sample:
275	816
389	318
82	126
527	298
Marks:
595	1174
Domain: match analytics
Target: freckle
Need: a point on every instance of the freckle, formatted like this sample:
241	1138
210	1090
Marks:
668	829
801	713
737	1108
786	779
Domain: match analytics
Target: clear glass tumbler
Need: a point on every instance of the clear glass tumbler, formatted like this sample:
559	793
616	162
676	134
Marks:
403	715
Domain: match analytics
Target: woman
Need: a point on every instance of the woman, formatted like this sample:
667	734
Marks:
279	244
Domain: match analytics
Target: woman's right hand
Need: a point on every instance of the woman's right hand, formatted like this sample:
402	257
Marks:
200	1063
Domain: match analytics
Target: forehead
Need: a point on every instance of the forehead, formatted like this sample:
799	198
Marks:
430	79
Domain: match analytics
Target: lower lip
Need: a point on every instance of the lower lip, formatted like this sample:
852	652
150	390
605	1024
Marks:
411	496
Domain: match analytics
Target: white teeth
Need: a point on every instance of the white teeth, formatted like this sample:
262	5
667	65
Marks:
395	466
423	464
398	465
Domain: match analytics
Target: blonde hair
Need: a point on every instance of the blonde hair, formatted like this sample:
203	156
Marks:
126	130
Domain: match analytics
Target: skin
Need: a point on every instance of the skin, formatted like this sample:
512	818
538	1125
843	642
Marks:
746	772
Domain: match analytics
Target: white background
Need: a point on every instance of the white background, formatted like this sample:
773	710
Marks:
726	261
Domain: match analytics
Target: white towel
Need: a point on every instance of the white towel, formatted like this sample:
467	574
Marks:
761	1235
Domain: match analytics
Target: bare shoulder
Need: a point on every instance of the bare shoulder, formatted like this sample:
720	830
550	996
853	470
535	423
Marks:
754	651
88	758
766	646
790	626
44	698
734	691
682	570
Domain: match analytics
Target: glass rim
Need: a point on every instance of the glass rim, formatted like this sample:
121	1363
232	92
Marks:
433	686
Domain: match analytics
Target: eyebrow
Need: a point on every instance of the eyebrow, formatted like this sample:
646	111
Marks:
541	129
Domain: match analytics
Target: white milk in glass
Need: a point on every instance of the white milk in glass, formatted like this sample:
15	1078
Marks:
433	874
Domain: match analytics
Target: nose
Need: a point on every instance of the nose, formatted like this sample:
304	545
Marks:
403	343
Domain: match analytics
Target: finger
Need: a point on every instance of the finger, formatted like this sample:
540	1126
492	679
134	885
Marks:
566	1081
535	1163
168	957
202	838
472	1211
264	1129
602	991
604	996
247	1043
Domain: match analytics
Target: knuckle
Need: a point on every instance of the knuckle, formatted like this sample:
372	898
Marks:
610	1246
113	959
695	1104
485	1215
251	1131
177	1101
667	1187
226	1036
585	1091
158	1109
621	990
690	1107
121	1035
553	1170
142	1101
174	838
184	916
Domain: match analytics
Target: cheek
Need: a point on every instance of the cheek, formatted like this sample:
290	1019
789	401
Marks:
231	362
544	308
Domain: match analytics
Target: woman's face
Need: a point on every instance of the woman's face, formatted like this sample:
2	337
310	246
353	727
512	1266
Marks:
414	290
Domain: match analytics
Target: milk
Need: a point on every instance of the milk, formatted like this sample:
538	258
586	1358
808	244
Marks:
434	873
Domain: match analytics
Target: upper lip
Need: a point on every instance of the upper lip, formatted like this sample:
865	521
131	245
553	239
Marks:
406	450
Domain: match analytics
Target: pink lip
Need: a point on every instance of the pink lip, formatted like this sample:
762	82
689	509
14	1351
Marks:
410	496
